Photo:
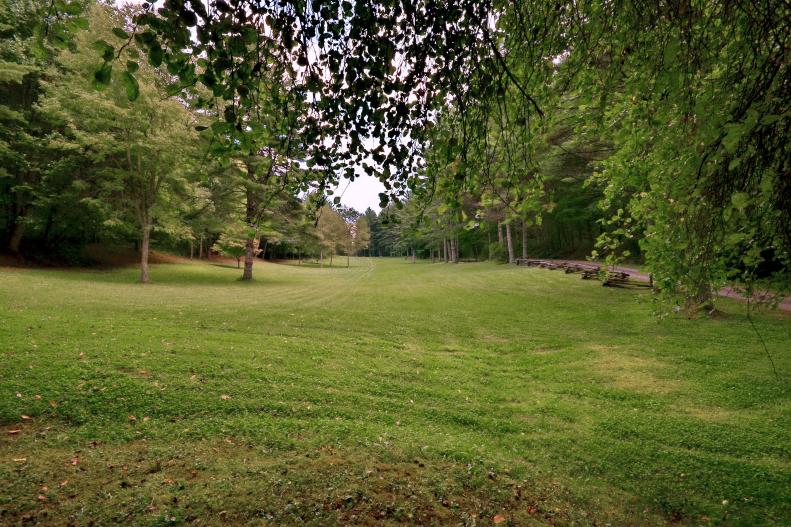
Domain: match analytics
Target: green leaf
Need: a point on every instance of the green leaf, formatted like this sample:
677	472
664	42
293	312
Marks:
155	56
740	200
131	85
107	51
101	77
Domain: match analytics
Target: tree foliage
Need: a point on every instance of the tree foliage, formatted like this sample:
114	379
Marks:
476	116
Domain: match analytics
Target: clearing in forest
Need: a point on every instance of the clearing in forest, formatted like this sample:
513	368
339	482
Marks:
388	393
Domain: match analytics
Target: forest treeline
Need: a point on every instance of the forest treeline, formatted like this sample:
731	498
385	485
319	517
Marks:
83	166
86	166
617	130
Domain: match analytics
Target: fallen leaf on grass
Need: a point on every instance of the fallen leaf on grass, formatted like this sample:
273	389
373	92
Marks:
12	432
64	483
41	497
225	397
498	518
25	417
20	459
75	460
132	418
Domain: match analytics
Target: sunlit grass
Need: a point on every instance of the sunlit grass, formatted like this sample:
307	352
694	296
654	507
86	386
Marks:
386	393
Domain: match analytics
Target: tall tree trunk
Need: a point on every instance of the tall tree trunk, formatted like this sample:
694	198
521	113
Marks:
238	260
19	232
250	220
144	251
192	248
321	255
413	255
509	243
200	250
524	239
331	254
500	233
249	245
20	224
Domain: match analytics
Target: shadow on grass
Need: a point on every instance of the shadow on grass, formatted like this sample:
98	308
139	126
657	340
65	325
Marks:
172	274
314	265
227	266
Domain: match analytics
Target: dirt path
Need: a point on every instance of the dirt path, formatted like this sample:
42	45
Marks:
729	292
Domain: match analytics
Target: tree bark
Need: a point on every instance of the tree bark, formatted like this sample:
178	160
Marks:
500	233
250	219
524	239
192	249
509	242
247	274
200	250
19	232
144	278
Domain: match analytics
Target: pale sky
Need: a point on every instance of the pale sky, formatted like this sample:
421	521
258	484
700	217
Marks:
361	193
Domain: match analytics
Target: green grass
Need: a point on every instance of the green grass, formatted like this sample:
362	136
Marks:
385	394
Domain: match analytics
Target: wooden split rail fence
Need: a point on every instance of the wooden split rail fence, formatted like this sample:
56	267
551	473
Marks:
588	272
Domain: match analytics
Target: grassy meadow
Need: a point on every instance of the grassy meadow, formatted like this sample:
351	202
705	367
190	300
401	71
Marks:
388	393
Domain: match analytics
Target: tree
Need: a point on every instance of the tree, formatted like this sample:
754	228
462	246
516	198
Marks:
333	231
139	149
233	243
25	154
453	100
362	234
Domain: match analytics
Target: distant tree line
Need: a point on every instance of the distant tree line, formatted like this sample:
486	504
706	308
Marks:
658	129
83	164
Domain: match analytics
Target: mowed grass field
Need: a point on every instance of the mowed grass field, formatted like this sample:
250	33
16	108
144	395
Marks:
388	393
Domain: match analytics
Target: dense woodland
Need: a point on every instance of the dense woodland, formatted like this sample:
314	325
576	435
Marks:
656	133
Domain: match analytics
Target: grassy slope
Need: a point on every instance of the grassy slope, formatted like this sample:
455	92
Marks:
388	393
